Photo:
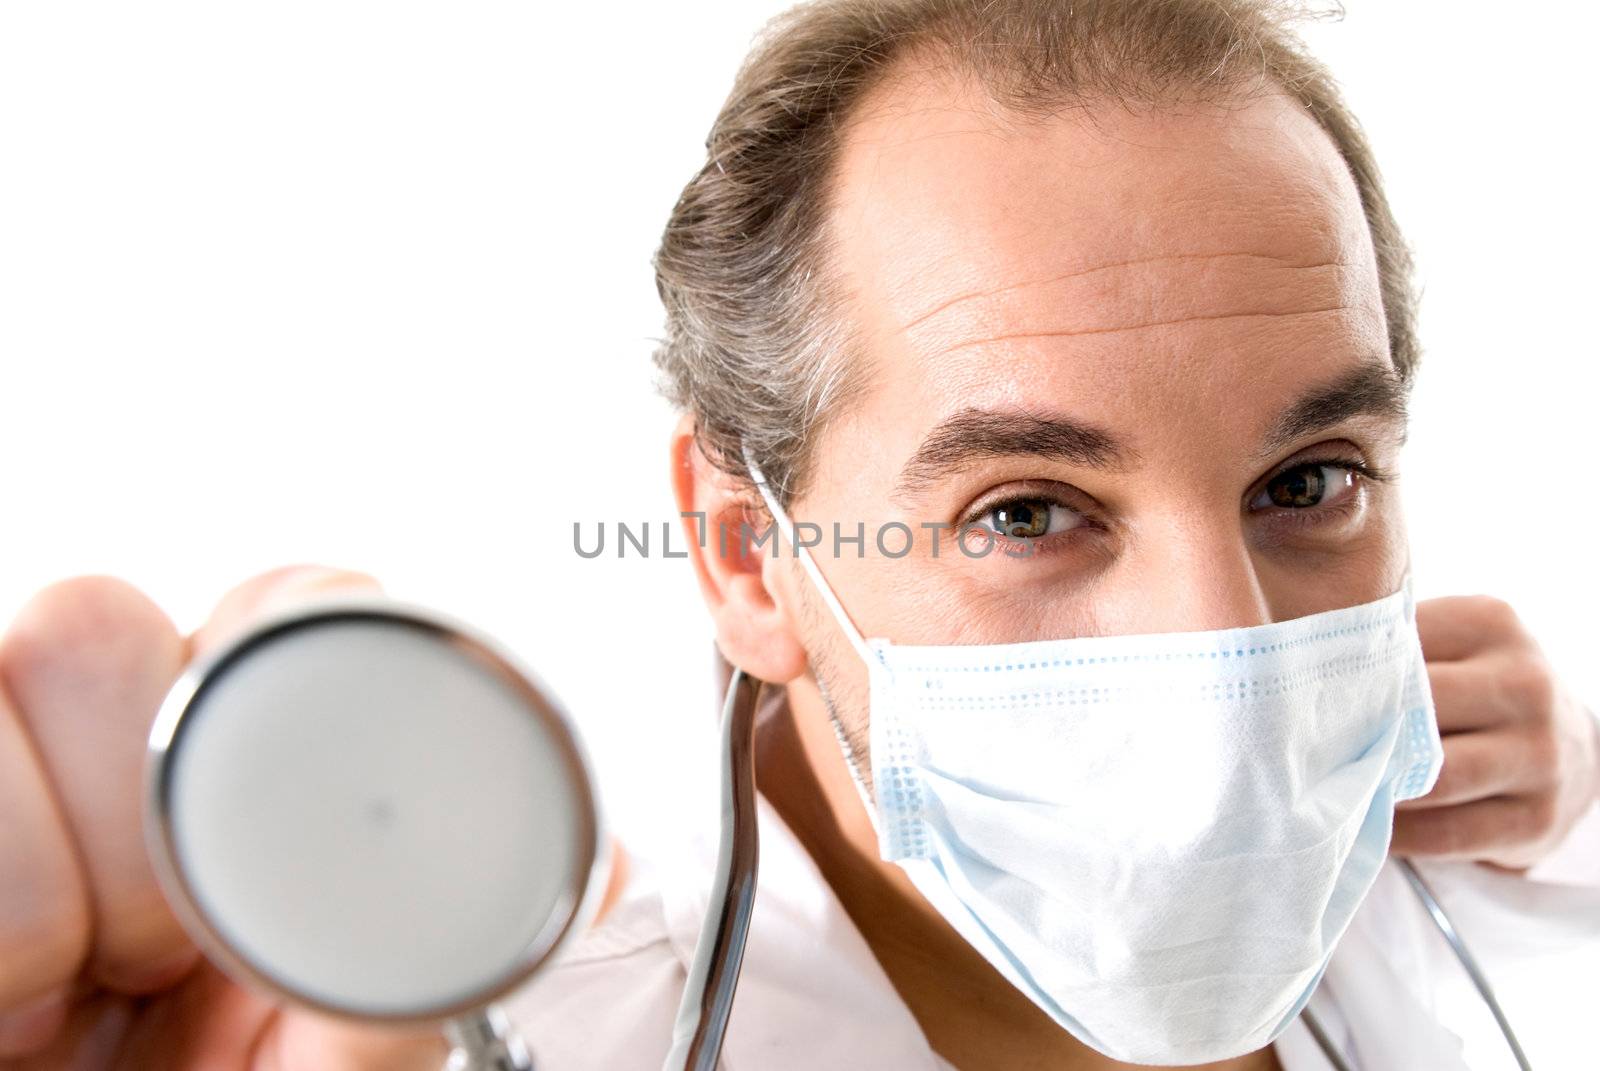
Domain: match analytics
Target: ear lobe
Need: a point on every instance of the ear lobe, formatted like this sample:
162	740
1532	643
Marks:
753	630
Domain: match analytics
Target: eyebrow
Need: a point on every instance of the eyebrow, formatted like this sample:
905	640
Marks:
1372	388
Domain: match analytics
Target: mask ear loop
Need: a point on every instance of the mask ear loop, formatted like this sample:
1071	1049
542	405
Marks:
781	519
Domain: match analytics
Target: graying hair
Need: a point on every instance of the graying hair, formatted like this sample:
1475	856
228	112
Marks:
753	347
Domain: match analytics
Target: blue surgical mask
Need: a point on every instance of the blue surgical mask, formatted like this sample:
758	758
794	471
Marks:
1159	839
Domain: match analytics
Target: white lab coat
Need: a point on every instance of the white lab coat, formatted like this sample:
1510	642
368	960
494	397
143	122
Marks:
812	995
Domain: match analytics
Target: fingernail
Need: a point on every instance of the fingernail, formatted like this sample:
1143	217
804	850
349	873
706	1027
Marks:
308	580
30	1026
303	577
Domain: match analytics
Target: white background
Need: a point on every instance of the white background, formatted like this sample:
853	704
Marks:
313	282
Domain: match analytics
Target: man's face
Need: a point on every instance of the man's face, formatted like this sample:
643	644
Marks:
1151	342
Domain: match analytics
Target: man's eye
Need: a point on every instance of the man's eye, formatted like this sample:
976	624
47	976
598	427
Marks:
1307	486
1029	518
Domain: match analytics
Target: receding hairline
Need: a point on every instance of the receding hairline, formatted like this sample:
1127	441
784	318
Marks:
893	98
744	246
935	73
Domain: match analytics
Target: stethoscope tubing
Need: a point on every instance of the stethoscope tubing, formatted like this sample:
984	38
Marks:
707	1002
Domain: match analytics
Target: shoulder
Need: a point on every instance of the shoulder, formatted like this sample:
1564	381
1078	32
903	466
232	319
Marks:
610	999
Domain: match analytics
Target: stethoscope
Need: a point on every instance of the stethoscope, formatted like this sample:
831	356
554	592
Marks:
370	809
1464	956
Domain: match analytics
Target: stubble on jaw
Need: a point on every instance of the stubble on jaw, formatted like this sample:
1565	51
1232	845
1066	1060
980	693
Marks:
845	702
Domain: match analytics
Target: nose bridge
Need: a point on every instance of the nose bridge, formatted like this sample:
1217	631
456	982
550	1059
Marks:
1200	576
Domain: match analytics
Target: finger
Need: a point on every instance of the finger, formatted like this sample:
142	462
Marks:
1457	627
87	662
277	589
44	901
26	1029
211	1022
1478	765
304	1039
90	1037
1484	693
204	1024
1502	826
617	877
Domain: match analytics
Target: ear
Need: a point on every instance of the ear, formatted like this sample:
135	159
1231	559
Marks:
754	631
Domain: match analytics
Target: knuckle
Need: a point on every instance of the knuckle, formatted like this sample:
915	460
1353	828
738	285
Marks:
1530	684
1545	754
1540	814
1471	766
78	621
1495	614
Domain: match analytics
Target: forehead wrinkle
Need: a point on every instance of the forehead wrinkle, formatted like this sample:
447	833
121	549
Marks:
1081	331
1079	273
944	225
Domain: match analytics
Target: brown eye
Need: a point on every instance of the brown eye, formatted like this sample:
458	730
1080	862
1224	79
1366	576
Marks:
1029	518
1306	487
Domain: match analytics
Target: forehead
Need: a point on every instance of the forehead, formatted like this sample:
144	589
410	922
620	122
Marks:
987	259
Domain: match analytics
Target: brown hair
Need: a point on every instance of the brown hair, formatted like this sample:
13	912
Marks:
750	347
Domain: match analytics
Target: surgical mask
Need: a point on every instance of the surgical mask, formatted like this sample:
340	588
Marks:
1159	839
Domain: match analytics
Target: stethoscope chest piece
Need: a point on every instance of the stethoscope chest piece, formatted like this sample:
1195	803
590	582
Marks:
368	809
